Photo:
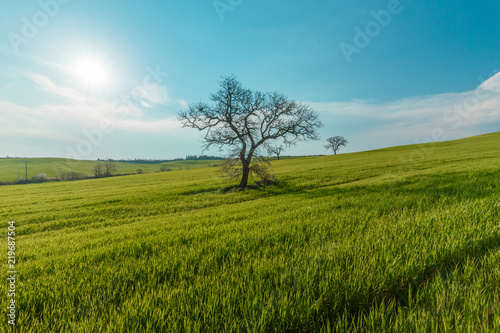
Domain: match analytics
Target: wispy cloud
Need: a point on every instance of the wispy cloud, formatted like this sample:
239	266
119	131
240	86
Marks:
46	84
416	118
79	111
38	134
152	94
160	126
19	121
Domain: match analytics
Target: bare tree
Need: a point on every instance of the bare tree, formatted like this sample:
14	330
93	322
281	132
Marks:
335	142
244	121
276	150
98	170
109	167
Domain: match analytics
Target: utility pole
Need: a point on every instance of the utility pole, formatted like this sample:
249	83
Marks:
26	168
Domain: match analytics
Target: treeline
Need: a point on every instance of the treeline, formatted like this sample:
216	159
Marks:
188	158
146	161
202	158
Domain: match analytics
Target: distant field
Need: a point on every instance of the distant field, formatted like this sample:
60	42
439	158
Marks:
14	169
403	239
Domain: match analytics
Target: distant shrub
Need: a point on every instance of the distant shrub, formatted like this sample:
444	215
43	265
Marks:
72	175
39	178
140	171
164	168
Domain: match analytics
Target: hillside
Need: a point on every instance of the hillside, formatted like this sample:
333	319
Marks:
14	168
402	239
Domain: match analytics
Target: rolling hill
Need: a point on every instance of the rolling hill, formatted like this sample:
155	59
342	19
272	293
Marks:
14	168
402	239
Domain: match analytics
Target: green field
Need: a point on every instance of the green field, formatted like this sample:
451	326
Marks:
14	169
403	239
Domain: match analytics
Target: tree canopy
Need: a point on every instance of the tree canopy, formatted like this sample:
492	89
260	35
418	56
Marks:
335	142
243	121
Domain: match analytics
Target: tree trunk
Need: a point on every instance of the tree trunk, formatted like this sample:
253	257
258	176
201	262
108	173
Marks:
245	174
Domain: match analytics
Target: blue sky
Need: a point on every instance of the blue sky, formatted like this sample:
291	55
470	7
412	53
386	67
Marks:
106	79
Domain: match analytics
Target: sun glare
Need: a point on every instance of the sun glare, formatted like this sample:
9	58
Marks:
91	72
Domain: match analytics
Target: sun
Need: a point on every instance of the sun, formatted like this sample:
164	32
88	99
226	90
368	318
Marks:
91	72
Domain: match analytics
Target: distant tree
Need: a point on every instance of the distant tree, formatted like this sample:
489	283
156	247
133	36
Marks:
109	167
335	142
98	170
164	167
276	151
244	121
140	171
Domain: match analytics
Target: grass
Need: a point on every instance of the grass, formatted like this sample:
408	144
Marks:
403	239
14	168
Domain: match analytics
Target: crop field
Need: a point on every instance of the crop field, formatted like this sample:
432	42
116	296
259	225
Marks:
403	239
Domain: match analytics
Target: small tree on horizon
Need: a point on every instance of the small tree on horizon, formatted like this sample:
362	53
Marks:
335	142
278	150
245	121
